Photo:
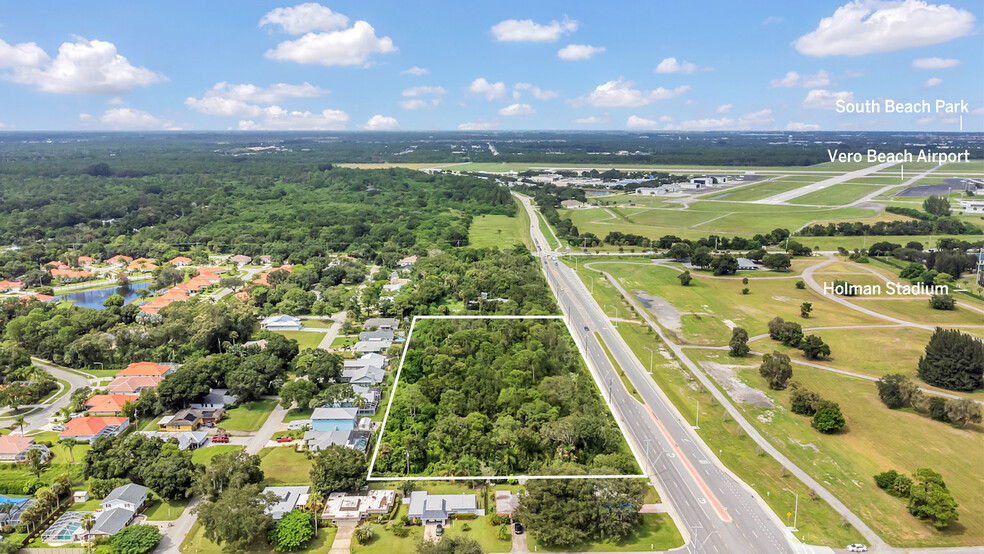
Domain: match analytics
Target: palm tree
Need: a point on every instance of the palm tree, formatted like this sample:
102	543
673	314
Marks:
314	504
19	422
36	460
87	522
69	443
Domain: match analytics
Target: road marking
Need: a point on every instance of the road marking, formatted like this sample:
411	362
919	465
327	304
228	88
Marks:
718	507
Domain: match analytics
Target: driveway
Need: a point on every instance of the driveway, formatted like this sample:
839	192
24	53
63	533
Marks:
343	538
332	331
171	541
519	544
430	532
273	424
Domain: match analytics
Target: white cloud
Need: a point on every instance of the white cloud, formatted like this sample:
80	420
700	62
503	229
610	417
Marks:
418	104
526	30
724	108
479	125
762	119
636	122
977	111
351	46
225	99
81	67
797	126
277	118
25	54
820	99
418	71
935	63
305	18
129	119
671	65
2	126
423	91
573	52
115	101
620	94
870	26
933	81
794	79
517	109
537	92
592	120
381	123
772	19
491	91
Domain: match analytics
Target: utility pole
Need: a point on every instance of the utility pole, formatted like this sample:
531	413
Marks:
650	359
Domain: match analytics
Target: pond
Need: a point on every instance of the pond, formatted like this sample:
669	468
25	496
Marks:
94	298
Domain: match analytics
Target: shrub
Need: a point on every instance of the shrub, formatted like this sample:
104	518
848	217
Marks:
828	418
942	302
937	408
801	284
804	402
886	479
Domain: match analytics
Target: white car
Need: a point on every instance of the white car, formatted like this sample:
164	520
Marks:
857	548
58	427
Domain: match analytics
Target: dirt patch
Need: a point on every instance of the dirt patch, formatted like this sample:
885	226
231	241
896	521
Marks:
809	445
727	377
667	315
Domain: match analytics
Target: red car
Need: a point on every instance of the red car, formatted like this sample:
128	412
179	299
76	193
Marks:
220	438
285	439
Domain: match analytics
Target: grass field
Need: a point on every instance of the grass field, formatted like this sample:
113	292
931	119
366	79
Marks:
500	231
305	339
657	532
242	419
317	323
161	510
204	456
836	195
283	465
874	440
759	191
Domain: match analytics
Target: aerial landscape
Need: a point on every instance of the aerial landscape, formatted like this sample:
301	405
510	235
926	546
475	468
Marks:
449	278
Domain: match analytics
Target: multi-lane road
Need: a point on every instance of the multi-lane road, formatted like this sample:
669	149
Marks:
714	508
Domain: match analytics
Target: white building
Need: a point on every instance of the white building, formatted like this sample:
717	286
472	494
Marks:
289	499
282	322
972	206
342	507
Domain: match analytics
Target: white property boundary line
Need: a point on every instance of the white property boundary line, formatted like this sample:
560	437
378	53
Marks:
396	382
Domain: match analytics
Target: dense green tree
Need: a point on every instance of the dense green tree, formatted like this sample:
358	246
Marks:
701	257
337	468
828	418
172	474
229	470
738	345
451	545
896	390
953	361
937	205
803	401
963	411
777	262
776	369
300	391
237	520
813	347
929	498
114	301
942	302
805	309
725	264
136	539
294	530
937	408
685	278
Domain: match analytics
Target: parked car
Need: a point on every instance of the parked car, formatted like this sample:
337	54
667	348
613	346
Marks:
57	427
518	528
440	529
857	548
220	438
285	439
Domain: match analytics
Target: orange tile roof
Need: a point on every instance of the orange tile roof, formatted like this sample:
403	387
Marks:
14	444
56	264
122	385
86	259
70	273
119	258
38	297
89	426
180	260
7	285
211	269
144	368
109	403
262	279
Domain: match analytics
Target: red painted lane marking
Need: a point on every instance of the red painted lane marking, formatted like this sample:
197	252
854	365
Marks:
718	507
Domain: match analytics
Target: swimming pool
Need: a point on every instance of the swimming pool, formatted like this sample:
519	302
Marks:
9	500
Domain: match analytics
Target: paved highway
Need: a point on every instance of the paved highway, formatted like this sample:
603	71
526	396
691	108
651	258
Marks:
711	505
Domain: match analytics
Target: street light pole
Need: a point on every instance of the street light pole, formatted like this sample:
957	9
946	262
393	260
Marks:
650	359
796	508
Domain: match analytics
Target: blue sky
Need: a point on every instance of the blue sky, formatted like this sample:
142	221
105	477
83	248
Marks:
723	65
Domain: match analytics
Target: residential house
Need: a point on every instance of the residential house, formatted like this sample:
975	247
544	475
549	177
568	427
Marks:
119	260
152	369
343	507
288	500
366	376
388	287
505	503
187	440
282	322
216	398
240	259
319	440
180	261
108	404
142	264
133	385
377	335
70	274
265	259
366	400
46	298
367	346
406	262
14	448
10	286
187	419
370	359
438	508
88	429
334	419
262	279
382	323
86	261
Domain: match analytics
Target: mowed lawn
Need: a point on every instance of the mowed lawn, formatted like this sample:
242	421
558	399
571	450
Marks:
760	191
305	339
708	302
204	456
837	194
657	532
500	231
283	465
196	543
876	439
241	418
